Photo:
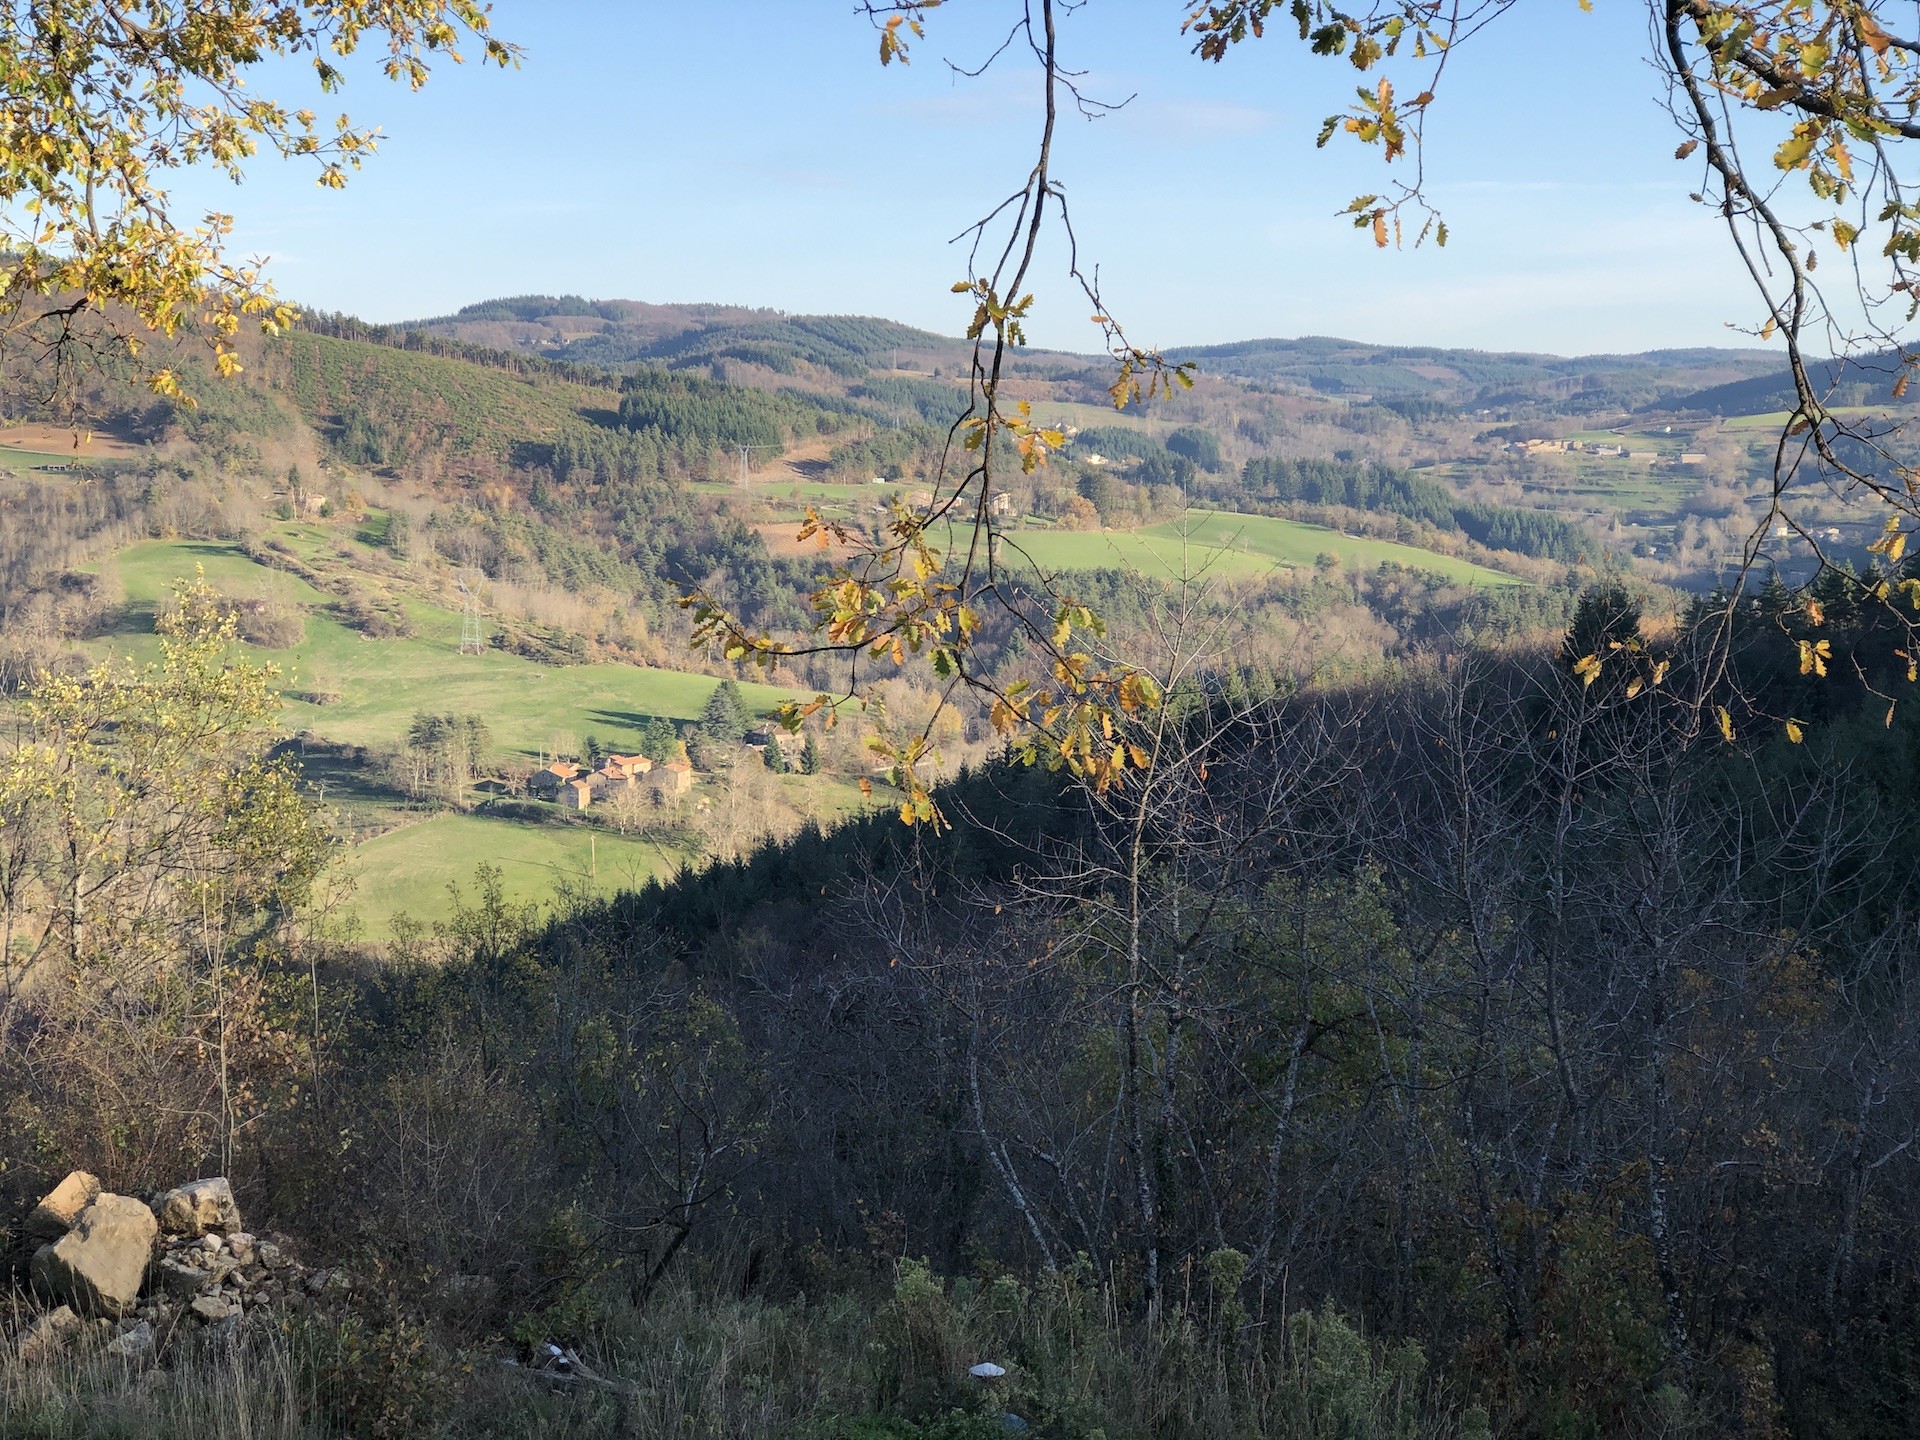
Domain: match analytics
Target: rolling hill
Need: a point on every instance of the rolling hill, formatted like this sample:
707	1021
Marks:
1466	379
1865	380
828	349
1231	545
626	333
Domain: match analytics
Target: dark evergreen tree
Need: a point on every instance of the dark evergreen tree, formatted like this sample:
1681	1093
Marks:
659	741
1607	616
725	717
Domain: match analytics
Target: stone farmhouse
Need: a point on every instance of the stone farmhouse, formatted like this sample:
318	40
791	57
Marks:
573	787
672	779
546	783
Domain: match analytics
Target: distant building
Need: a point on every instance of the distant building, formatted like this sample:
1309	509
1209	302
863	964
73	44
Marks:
627	768
1692	457
671	780
576	795
545	783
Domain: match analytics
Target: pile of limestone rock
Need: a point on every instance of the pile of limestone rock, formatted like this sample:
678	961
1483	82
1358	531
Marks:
133	1278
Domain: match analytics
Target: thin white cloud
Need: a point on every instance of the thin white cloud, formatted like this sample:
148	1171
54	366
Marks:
1187	120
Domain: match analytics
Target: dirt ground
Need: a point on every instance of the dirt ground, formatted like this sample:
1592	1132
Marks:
779	536
59	440
803	462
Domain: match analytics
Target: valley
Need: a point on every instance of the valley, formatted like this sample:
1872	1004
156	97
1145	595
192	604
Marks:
338	494
683	869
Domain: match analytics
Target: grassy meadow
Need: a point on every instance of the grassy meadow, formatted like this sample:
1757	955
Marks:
29	460
1230	545
351	688
382	683
410	861
411	871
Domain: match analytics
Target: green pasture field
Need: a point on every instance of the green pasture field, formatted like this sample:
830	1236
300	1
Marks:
33	459
408	871
1232	545
762	486
527	706
1085	417
1681	437
1600	485
1774	420
1625	486
382	683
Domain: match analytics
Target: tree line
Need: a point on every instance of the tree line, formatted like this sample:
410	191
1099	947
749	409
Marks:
1361	486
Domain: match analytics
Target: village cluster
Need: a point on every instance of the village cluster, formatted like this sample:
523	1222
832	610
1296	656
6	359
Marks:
575	787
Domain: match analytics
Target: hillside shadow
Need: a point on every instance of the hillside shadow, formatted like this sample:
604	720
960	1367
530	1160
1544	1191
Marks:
128	620
204	547
344	778
628	719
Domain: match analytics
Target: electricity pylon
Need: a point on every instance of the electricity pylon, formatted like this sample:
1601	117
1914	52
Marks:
473	634
745	453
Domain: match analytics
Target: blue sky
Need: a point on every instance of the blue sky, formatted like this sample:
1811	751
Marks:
756	153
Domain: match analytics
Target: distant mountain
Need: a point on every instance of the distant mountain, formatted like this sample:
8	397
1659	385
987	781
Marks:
831	352
1863	380
1470	379
623	333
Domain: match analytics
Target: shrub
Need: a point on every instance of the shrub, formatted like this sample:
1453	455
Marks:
271	627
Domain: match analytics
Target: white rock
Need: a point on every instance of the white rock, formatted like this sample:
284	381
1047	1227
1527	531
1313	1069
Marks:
177	1278
200	1207
98	1265
55	1214
212	1307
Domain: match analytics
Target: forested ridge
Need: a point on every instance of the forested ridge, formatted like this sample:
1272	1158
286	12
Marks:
1398	492
1481	1007
1484	1025
1448	1033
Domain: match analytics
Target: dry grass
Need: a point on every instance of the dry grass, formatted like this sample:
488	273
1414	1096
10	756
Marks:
870	1366
233	1393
